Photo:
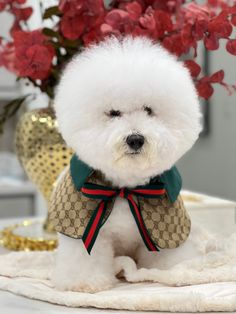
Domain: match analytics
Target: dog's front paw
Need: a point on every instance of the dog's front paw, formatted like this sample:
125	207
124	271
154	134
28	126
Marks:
91	284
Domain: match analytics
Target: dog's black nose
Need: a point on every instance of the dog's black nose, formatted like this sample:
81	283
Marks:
135	141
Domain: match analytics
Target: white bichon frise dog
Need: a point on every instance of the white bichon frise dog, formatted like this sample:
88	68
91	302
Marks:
129	110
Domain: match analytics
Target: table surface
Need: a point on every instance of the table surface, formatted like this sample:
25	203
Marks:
13	304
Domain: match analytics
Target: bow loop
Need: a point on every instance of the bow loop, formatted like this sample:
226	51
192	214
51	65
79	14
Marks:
150	191
96	191
106	194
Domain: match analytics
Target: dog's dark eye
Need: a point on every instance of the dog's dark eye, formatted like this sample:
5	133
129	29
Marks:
148	110
114	113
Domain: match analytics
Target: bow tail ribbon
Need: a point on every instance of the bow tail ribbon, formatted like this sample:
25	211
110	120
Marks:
141	225
94	225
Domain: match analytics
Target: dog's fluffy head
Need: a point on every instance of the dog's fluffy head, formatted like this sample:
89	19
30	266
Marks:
124	87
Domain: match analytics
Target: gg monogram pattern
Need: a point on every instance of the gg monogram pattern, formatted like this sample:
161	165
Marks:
70	211
168	223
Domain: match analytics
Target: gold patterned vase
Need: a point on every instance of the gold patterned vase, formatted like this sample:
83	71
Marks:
41	150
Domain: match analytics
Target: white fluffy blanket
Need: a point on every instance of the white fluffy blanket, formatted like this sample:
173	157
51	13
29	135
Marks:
205	283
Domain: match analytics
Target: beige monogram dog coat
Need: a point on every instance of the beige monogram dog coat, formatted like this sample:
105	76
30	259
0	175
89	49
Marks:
165	220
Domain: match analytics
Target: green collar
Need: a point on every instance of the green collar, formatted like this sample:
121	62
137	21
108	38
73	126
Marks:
171	178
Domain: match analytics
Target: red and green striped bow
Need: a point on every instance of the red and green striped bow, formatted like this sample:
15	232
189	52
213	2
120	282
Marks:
106	194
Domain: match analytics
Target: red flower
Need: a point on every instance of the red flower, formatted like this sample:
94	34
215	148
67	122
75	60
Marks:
22	14
117	22
163	22
93	36
188	36
36	63
200	28
195	22
195	11
193	67
72	26
5	3
73	7
134	9
166	5
231	46
80	16
178	25
217	77
147	21
70	7
174	44
94	7
8	58
204	89
33	54
117	18
211	42
19	13
220	26
204	85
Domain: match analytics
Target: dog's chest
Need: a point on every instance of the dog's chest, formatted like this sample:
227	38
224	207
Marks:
121	225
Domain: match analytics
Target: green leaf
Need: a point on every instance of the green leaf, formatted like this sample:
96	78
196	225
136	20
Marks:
49	12
56	45
71	43
50	91
55	74
51	33
10	109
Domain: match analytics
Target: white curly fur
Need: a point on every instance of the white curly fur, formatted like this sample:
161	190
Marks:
124	75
